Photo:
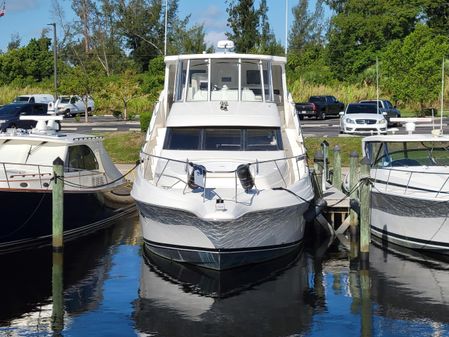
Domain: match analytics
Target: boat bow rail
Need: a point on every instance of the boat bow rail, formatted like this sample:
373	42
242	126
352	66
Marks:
432	182
265	174
35	176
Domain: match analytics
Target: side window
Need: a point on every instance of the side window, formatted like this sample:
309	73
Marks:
81	157
26	110
39	109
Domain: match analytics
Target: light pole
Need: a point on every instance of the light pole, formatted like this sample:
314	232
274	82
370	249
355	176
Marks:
55	58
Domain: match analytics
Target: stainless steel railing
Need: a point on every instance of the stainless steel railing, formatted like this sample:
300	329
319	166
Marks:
173	172
36	176
433	183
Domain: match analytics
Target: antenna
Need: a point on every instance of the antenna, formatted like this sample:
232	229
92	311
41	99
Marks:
286	26
442	96
165	37
377	84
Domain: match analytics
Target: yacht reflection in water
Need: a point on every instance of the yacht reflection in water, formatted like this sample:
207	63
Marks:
408	285
26	282
258	300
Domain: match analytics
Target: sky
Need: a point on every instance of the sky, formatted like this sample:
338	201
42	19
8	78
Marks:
27	18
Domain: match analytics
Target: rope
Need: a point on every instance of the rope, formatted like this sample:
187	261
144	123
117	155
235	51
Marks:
72	184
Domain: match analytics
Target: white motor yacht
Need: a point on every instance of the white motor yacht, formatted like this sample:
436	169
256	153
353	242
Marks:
224	179
410	193
94	189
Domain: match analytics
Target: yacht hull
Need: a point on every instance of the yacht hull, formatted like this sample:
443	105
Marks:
255	237
411	222
27	215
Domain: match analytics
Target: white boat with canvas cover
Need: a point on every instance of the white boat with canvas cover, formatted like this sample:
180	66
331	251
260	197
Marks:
224	179
410	194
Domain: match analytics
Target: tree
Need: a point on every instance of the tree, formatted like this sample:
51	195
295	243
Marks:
306	28
267	43
244	24
124	88
27	65
83	81
412	68
363	28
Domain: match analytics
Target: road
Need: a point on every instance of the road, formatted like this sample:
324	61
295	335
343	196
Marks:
331	127
311	127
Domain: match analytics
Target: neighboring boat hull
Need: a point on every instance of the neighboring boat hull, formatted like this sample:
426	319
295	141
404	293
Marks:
27	215
252	238
411	222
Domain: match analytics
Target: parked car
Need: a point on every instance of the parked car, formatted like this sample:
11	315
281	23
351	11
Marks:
73	105
34	98
359	118
385	106
10	115
319	107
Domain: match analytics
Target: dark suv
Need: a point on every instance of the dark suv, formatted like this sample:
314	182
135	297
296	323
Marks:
10	115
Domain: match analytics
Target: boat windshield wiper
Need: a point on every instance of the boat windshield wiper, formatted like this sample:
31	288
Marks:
32	149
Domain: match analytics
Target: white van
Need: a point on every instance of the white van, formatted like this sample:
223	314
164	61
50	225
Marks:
34	98
73	105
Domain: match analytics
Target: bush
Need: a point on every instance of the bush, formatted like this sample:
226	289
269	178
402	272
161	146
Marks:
145	118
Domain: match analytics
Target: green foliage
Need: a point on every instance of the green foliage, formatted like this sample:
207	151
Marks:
346	144
27	65
365	27
123	147
412	68
244	24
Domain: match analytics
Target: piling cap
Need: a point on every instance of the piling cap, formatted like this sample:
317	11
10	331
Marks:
337	148
319	156
365	161
354	154
58	161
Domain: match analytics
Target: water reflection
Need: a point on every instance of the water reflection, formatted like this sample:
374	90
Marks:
261	300
111	290
26	282
408	285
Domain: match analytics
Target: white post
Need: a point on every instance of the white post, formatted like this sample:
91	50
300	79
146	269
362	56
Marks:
286	26
377	84
442	96
166	18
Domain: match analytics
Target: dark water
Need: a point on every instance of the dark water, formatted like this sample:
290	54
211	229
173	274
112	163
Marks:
111	290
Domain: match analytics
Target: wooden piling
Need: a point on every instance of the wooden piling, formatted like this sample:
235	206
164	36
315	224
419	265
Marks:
57	315
353	180
366	305
58	204
336	177
365	211
318	168
325	149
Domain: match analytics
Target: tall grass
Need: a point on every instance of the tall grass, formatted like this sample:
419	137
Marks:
8	93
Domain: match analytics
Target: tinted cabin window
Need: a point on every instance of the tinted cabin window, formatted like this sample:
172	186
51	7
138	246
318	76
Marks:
81	157
263	140
224	139
183	139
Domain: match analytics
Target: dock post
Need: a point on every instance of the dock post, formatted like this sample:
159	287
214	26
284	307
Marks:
57	315
366	306
325	149
318	168
336	177
365	211
353	181
58	204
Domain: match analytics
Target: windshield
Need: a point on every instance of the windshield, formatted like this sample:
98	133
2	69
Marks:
64	99
21	99
387	154
224	139
361	109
